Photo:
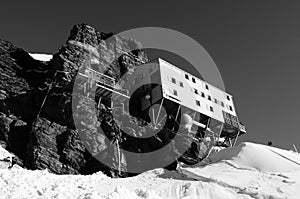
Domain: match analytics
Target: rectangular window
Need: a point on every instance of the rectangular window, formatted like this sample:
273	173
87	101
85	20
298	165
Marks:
181	84
198	103
222	103
216	101
228	98
193	80
209	97
175	92
211	109
186	76
202	94
173	80
206	86
195	91
230	108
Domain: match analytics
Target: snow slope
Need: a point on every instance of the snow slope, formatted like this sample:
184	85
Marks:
245	171
41	57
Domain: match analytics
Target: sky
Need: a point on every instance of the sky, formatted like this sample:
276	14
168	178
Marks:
255	45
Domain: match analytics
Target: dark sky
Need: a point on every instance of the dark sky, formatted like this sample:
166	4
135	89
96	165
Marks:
255	45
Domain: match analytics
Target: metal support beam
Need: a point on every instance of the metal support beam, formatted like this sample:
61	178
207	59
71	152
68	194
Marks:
295	148
236	137
230	142
177	112
153	117
221	129
162	101
99	102
208	121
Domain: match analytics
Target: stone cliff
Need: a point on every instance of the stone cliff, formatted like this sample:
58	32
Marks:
36	120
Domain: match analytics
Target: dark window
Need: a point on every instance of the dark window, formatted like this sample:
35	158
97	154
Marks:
173	80
175	92
195	91
211	109
230	108
228	98
216	101
209	97
206	86
202	94
222	104
193	80
181	84
198	103
186	76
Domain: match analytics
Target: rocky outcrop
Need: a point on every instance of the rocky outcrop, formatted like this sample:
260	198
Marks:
51	140
36	118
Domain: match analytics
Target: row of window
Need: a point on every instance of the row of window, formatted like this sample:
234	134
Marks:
206	85
210	108
173	80
194	81
219	102
174	92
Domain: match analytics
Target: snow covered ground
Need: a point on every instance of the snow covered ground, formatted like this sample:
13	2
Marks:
41	57
246	171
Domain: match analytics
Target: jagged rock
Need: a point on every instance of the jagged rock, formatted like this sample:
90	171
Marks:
51	141
51	148
37	122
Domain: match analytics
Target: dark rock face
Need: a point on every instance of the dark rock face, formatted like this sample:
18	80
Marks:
36	118
51	140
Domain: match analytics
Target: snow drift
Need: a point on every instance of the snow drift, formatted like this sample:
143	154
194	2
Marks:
246	171
260	157
41	57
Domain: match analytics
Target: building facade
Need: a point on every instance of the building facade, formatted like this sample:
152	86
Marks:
179	92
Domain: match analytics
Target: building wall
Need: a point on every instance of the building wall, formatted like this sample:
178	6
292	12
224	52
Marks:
176	87
187	96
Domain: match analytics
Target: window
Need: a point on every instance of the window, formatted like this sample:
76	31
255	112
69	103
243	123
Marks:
229	107
206	86
193	80
202	94
222	103
216	101
175	92
173	80
195	91
228	98
211	109
186	76
181	84
209	97
198	103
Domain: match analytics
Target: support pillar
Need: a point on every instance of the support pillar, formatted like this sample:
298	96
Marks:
221	129
162	101
177	113
236	137
99	102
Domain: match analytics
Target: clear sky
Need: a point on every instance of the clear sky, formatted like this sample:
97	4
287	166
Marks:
254	43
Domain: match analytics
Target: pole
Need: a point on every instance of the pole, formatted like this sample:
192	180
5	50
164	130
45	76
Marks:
221	128
162	101
99	102
236	137
177	113
295	148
